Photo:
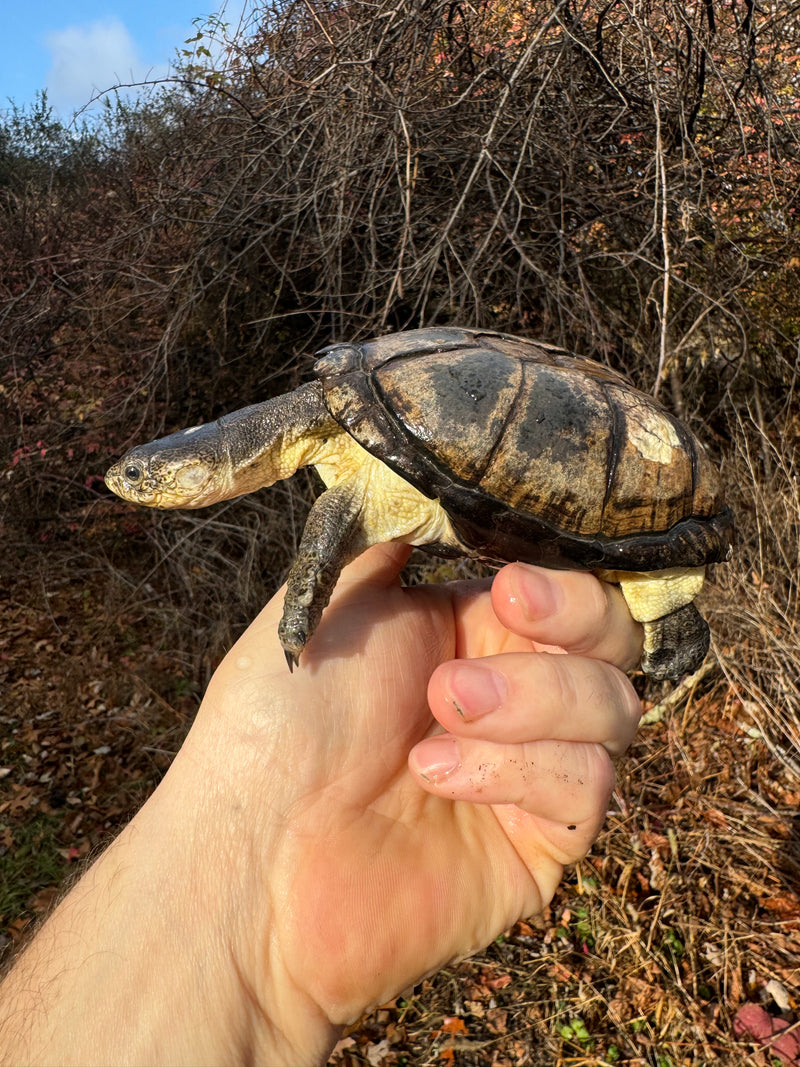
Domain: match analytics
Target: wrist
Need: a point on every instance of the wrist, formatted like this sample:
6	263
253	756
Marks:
217	914
165	951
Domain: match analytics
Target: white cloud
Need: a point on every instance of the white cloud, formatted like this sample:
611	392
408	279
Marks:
88	59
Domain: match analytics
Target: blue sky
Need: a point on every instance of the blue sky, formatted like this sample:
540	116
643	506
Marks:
76	48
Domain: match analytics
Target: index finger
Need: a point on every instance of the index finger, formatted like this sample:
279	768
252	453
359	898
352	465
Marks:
567	609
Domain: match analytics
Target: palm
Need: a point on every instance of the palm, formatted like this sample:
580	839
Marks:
387	880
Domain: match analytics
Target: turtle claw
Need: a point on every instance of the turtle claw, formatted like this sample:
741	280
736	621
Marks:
326	545
293	644
292	636
292	659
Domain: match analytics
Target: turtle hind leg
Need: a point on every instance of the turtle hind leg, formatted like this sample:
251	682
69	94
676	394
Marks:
331	538
676	644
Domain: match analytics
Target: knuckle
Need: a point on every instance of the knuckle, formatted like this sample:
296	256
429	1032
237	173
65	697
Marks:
559	680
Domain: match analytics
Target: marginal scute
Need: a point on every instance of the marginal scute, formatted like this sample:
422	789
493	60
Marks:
338	359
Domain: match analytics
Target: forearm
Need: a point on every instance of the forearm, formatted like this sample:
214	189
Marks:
148	960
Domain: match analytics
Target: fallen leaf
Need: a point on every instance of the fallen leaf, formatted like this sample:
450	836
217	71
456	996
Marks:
751	1020
377	1053
453	1024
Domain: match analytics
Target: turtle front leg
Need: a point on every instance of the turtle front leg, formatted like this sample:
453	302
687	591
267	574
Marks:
676	644
333	535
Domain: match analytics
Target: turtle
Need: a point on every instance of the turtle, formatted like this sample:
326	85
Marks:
475	443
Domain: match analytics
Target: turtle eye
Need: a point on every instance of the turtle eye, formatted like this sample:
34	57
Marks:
132	473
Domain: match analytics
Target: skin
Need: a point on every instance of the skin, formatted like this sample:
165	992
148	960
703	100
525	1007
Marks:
324	840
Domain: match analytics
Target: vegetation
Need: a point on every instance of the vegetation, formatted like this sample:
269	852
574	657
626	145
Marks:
619	179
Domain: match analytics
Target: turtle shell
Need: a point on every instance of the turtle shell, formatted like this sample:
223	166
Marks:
535	454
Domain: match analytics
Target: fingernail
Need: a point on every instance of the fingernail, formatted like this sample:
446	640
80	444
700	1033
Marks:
476	690
436	758
533	592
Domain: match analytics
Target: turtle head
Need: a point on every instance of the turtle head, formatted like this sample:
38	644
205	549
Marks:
189	469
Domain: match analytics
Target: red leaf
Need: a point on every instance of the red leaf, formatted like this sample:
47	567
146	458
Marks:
752	1020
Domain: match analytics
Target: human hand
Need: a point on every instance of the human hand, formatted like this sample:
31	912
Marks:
321	841
387	866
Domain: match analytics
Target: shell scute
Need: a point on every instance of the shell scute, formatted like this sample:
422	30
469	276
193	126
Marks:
414	343
553	456
456	409
707	492
651	479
